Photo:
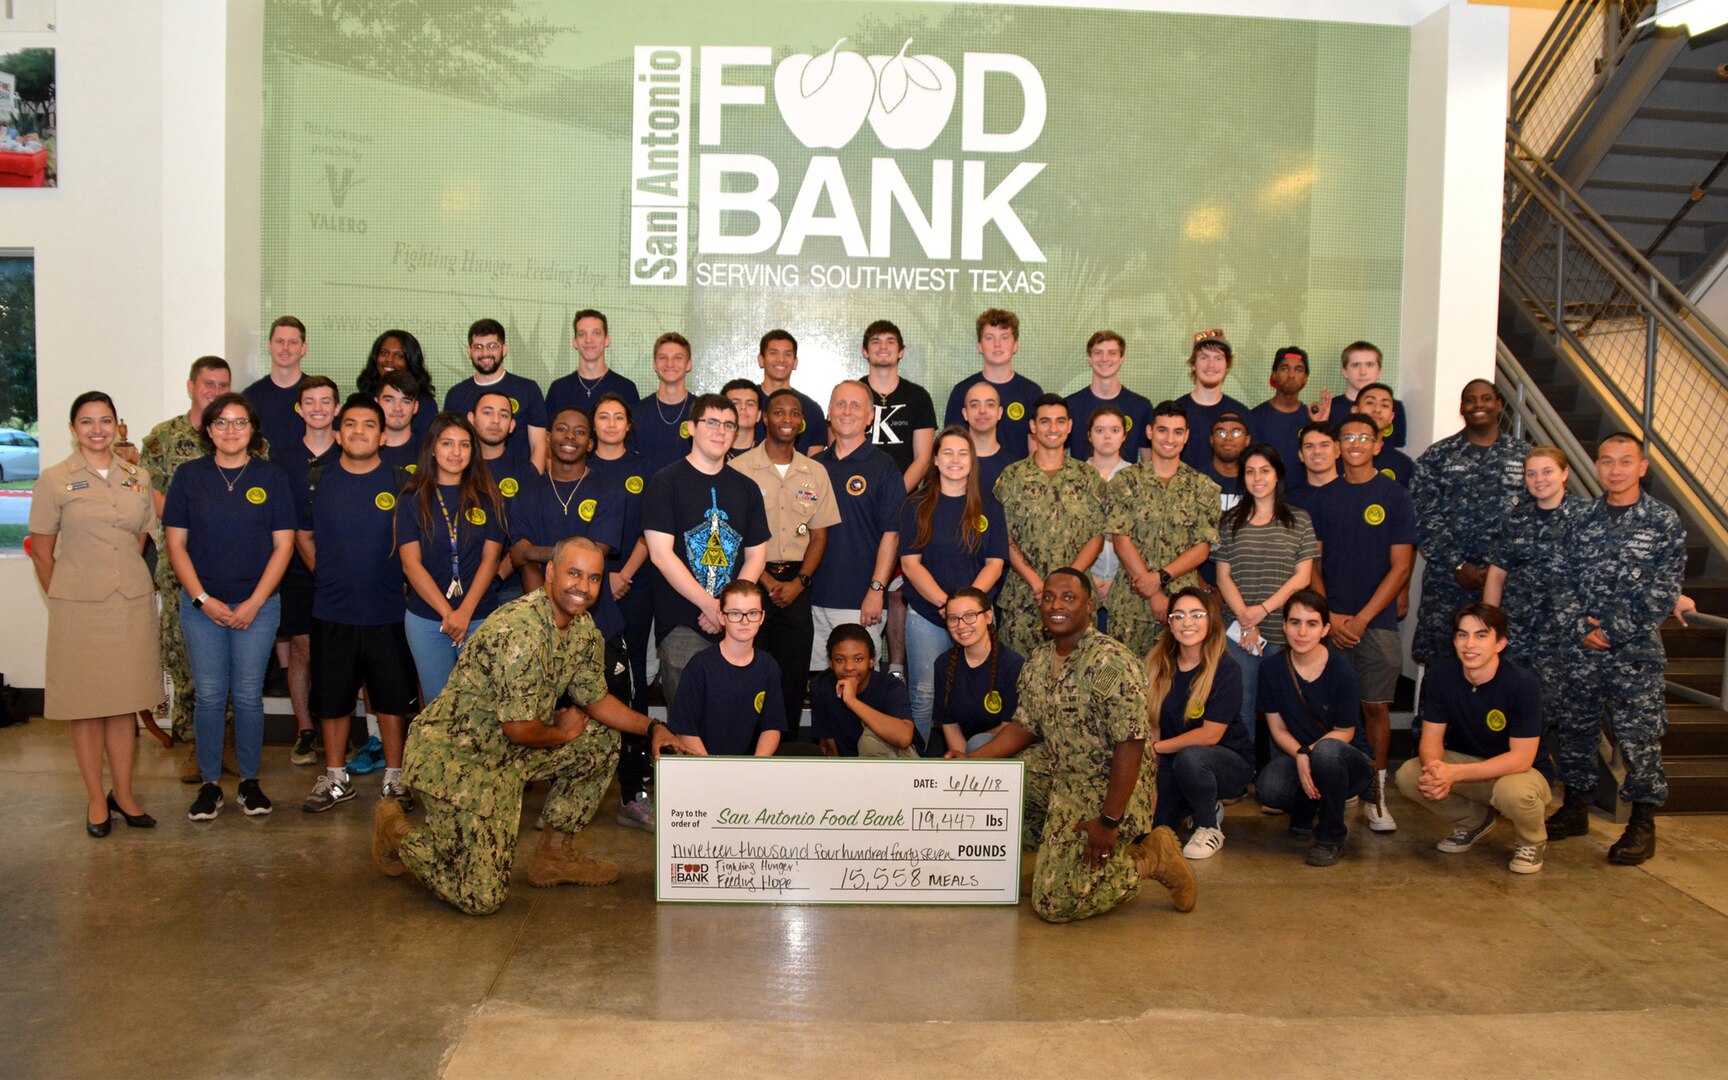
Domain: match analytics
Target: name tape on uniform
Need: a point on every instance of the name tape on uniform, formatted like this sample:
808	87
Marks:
837	831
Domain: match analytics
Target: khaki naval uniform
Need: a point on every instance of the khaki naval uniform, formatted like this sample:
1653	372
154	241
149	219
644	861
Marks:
101	604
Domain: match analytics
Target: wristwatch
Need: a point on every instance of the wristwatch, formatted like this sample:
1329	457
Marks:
877	586
198	601
804	580
1109	822
1163	578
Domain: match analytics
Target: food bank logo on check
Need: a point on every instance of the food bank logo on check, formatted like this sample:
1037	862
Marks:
907	100
686	873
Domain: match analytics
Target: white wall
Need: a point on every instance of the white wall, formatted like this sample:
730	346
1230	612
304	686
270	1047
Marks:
147	254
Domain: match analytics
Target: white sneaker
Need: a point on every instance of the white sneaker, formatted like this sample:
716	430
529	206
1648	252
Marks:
1203	844
1374	805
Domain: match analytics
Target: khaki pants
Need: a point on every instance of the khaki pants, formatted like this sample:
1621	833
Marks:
1522	798
872	745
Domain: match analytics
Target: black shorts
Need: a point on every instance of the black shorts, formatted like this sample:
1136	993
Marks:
345	657
296	594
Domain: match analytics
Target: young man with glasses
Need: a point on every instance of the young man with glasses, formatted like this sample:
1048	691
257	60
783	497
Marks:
728	702
487	351
705	526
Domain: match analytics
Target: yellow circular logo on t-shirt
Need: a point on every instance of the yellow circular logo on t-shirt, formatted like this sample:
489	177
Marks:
585	511
802	427
856	485
256	496
1496	720
1374	514
1388	474
411	468
384	501
476	516
1386	432
761	696
1195	712
684	430
515	406
1127	424
992	703
1016	411
508	487
633	484
983	523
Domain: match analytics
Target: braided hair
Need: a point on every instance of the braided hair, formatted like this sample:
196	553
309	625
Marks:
969	593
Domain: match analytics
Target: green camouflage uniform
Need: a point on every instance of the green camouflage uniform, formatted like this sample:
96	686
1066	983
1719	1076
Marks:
1049	518
1096	700
470	776
1163	519
171	444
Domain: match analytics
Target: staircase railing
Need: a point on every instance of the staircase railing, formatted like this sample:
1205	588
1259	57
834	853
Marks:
1533	418
1699	618
1645	348
1584	46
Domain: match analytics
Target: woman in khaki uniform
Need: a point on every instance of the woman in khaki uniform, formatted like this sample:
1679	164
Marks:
88	517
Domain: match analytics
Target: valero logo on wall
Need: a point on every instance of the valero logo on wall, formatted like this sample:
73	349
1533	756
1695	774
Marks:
686	163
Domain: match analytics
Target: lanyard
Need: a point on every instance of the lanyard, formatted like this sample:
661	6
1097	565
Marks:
454	592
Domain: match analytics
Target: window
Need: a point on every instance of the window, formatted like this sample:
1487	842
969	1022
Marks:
20	454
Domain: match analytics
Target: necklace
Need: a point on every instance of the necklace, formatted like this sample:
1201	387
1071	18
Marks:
677	413
587	390
237	475
562	501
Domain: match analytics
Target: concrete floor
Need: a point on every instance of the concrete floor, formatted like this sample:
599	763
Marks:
270	947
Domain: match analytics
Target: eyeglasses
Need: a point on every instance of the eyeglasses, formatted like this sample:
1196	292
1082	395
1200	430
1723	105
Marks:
1183	616
1357	438
967	617
490	347
718	425
237	423
753	615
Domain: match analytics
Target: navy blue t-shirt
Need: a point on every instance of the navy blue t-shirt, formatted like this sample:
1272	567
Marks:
358	577
944	556
725	706
869	488
831	719
278	411
1343	407
229	534
990	469
405	457
1266	424
1483	720
661	432
975	701
1334	700
548	510
474	527
1197	453
527	404
1297	492
622	481
573	391
296	461
1018	396
1357	524
1082	402
1223	706
511	473
712	520
1395	464
815	431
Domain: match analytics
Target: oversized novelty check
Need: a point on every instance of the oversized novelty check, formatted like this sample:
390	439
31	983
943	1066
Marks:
806	830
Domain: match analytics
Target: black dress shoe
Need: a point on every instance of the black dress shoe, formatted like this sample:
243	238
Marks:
101	828
136	821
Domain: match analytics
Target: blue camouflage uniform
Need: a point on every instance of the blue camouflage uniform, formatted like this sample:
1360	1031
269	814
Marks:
1534	547
1462	493
1628	569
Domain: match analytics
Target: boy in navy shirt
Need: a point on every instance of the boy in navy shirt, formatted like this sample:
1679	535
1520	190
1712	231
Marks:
487	351
1483	749
1377	403
661	421
1104	352
347	539
777	355
399	396
278	392
728	700
1208	366
592	378
853	711
1279	419
998	341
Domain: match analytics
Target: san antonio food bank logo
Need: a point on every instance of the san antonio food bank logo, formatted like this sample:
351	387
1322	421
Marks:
688	873
907	99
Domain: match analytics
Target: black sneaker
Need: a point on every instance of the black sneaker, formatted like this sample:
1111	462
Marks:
1325	854
303	754
253	801
206	805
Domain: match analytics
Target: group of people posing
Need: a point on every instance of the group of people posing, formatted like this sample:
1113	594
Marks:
1116	590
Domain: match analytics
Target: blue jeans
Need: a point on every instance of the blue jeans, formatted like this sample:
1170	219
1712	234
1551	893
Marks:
925	643
228	664
1250	665
1193	780
1340	771
434	658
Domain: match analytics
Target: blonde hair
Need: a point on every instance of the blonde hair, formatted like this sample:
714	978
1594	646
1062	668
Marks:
1552	453
1161	661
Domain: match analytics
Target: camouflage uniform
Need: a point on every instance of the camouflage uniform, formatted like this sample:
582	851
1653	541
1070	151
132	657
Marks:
1163	519
1049	518
1095	700
1628	571
511	671
171	444
1462	493
1535	549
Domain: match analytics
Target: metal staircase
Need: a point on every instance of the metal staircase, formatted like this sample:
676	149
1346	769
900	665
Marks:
1596	336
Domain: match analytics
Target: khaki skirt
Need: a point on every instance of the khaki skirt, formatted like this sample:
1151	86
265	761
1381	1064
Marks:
102	658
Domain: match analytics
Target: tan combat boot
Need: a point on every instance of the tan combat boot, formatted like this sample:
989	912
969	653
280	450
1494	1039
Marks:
1159	857
389	826
189	773
558	861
